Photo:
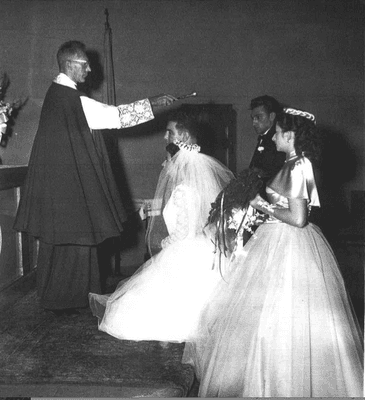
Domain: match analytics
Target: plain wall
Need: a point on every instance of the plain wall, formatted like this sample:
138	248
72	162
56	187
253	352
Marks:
308	54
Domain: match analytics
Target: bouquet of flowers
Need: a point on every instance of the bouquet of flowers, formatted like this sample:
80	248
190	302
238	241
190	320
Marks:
6	109
231	212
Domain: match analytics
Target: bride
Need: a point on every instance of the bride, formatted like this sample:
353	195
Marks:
163	299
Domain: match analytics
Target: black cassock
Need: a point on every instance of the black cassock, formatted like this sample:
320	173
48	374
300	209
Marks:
69	202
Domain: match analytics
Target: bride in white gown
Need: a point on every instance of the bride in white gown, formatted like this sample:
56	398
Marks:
163	299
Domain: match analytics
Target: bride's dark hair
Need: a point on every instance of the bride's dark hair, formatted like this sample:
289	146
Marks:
185	121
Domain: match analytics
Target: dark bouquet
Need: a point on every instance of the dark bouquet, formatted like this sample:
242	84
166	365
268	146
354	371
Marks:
231	213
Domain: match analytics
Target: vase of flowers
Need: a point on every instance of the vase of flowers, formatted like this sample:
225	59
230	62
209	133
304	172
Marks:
7	110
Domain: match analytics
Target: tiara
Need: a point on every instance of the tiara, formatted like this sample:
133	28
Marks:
304	114
189	147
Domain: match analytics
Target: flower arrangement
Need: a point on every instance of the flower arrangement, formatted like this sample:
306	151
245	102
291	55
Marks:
232	211
231	217
7	110
243	220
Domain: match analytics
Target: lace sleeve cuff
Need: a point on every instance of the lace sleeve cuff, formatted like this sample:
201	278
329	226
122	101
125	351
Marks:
135	113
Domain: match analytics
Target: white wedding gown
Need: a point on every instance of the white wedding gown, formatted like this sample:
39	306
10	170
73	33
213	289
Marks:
163	299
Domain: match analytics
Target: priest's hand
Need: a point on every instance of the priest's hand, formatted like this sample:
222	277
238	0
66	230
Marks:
161	100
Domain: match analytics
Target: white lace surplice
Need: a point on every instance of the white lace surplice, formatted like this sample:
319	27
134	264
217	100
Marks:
104	116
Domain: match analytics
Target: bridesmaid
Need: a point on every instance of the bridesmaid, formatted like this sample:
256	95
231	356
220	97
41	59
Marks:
281	323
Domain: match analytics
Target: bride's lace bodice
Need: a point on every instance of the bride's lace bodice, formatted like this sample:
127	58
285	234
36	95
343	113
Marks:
181	214
187	186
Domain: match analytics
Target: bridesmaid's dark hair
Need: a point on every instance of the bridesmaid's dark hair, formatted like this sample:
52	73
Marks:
306	134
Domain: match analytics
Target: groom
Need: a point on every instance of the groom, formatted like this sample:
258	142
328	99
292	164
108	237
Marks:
264	110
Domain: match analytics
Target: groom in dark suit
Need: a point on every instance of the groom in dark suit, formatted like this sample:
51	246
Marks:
265	157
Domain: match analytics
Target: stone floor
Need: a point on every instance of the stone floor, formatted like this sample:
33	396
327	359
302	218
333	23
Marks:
350	254
42	355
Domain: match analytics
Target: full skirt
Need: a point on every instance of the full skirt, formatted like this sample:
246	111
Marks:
280	324
163	299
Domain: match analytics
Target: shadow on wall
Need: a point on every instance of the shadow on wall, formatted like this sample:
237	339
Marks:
336	167
217	130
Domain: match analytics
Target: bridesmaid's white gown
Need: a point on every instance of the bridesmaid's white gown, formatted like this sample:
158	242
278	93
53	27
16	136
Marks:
281	323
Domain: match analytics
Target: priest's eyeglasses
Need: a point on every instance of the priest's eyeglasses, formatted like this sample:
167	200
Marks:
85	64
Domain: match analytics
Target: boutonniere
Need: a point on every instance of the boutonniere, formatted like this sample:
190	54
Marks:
260	149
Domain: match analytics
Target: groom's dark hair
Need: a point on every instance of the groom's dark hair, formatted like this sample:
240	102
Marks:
268	102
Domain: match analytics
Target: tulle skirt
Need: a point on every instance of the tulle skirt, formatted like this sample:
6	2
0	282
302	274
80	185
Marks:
281	323
163	299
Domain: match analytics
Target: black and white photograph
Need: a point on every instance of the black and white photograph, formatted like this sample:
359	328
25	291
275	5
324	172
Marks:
182	198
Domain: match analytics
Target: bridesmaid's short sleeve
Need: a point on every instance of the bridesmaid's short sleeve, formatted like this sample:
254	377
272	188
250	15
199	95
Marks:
296	181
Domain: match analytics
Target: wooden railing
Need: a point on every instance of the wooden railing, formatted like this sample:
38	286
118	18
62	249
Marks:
17	250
